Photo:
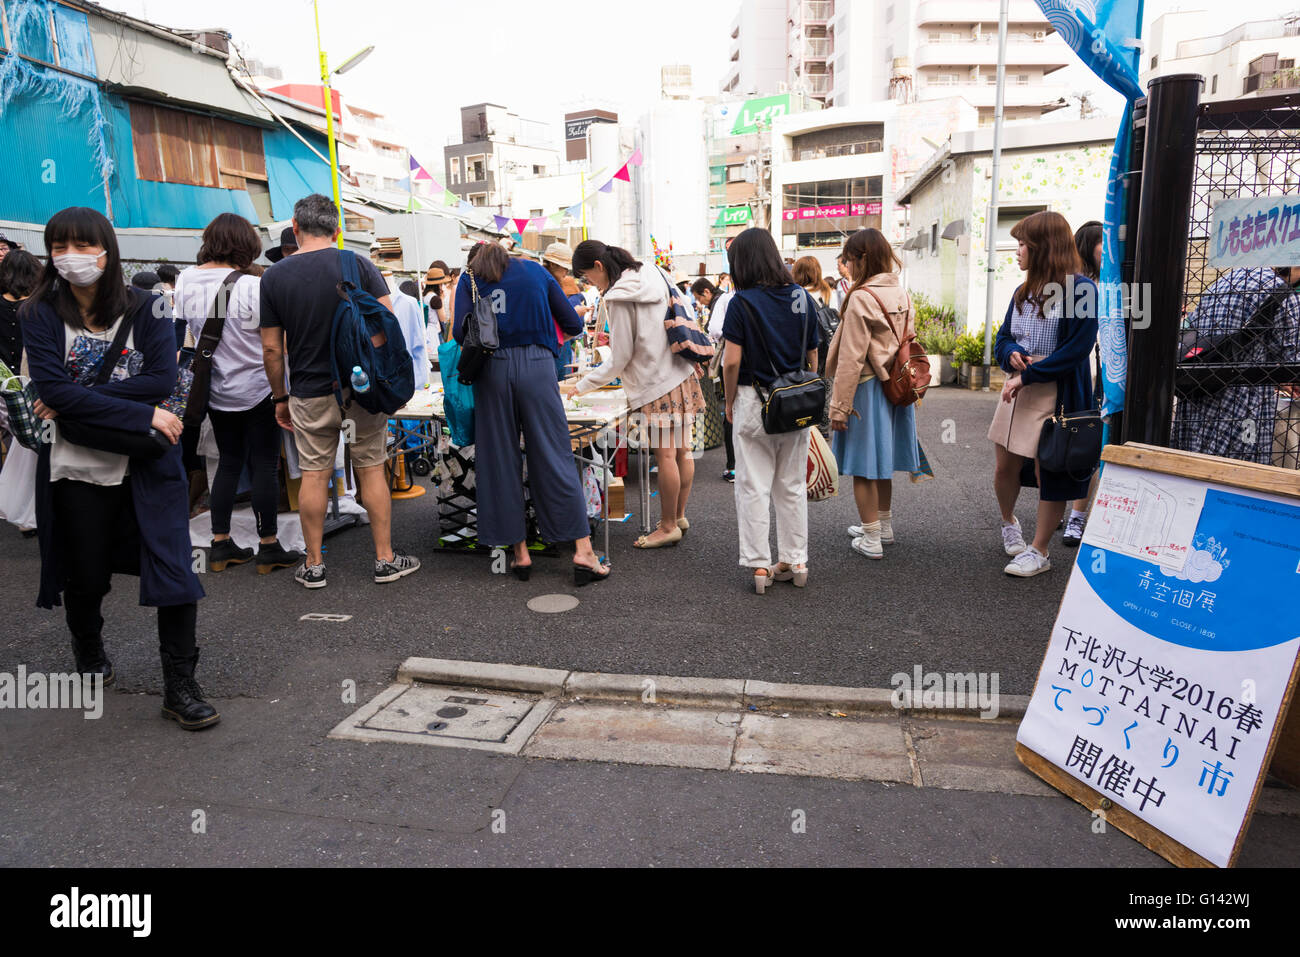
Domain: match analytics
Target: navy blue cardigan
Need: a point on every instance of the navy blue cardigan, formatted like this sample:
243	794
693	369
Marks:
159	488
1070	364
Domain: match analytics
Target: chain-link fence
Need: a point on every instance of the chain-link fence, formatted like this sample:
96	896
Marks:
1237	385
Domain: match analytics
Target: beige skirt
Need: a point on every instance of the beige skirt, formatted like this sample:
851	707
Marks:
1018	424
667	420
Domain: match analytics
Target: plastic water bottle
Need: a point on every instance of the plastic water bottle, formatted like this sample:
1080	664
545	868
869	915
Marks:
360	381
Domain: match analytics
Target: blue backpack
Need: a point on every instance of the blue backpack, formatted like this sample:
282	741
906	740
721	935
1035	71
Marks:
366	334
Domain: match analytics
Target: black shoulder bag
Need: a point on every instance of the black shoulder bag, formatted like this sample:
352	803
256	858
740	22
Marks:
1071	443
201	389
481	338
796	399
137	445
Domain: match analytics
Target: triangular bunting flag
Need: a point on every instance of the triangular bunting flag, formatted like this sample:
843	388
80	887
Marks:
635	158
449	198
501	222
423	174
521	226
404	183
623	174
414	165
414	204
555	218
437	187
608	187
465	207
574	211
538	223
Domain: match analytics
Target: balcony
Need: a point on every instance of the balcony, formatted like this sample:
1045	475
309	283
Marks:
963	11
1036	53
817	84
815	48
817	11
984	95
859	148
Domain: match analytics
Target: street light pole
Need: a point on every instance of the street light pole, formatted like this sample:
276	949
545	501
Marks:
991	218
329	121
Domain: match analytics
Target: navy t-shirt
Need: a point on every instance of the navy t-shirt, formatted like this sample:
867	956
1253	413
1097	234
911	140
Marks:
782	316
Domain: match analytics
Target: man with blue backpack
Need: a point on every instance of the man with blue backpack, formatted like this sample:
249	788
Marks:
329	311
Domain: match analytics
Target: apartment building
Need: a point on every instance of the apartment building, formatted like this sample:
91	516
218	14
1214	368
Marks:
853	52
757	48
1254	58
496	148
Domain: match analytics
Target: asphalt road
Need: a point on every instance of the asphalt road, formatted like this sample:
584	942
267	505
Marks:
273	790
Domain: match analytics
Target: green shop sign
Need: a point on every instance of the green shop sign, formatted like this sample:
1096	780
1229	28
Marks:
762	111
733	216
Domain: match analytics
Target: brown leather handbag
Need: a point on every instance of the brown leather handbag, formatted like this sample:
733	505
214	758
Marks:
909	373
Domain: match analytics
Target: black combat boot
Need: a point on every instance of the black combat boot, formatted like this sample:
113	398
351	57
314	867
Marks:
182	697
91	658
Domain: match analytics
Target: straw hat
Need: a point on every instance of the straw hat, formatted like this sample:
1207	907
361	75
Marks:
560	254
436	277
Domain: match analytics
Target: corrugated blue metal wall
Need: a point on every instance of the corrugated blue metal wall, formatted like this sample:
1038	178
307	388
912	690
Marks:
139	202
43	171
293	170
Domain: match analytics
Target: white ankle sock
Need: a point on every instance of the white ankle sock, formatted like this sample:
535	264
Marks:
1075	513
871	527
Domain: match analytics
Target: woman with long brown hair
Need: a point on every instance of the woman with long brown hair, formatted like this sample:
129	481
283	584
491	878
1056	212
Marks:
1044	345
872	438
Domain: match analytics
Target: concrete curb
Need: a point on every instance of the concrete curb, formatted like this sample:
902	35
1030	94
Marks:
666	689
477	674
731	693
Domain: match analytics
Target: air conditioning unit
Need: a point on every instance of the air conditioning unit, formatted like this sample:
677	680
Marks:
1040	34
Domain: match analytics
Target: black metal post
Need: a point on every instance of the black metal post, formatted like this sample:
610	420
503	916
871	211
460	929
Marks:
1160	254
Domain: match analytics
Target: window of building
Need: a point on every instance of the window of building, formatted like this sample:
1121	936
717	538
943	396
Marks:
534	213
934	238
537	170
475	168
1287	64
172	146
455	168
736	174
1214	84
1154	61
1022	79
1008	217
478	199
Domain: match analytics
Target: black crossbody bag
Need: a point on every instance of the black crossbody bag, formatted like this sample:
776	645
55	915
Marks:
796	399
201	366
481	338
1071	443
149	445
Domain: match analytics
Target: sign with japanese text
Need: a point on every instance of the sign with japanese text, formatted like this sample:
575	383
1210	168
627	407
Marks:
1255	231
760	112
733	216
826	212
1173	652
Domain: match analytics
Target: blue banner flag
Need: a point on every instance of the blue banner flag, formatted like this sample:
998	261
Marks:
1106	34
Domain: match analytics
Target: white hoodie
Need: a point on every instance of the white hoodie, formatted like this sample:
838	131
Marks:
639	351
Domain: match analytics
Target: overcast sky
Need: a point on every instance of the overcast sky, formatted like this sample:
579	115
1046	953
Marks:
540	59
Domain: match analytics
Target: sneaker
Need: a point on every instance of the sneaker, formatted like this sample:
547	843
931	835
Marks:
729	476
1074	531
886	531
310	576
273	556
1028	563
1013	542
869	544
226	552
399	567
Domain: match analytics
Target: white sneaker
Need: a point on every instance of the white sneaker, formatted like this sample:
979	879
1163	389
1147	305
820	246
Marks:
886	531
1028	563
868	544
1013	542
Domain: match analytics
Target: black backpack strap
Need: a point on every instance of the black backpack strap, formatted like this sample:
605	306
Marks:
213	327
117	346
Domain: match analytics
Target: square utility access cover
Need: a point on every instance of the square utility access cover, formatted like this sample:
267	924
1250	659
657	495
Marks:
448	717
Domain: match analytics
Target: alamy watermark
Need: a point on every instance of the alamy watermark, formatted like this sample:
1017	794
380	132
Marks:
40	691
936	691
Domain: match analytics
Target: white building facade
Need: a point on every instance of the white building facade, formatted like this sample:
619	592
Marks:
1255	58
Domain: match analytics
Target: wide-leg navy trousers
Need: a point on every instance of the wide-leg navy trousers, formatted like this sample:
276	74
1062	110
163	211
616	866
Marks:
516	393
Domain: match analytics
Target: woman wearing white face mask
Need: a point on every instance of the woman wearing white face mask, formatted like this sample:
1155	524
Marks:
99	509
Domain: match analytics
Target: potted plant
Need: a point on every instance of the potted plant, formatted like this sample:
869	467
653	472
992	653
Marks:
936	332
969	353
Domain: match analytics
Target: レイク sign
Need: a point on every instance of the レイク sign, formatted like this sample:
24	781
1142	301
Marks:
761	111
849	209
733	216
1255	231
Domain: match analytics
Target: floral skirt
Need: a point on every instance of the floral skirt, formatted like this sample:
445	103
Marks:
667	420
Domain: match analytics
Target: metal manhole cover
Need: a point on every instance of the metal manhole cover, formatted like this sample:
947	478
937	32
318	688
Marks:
452	717
551	604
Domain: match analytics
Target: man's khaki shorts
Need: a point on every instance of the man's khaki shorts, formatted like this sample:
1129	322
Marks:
316	426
